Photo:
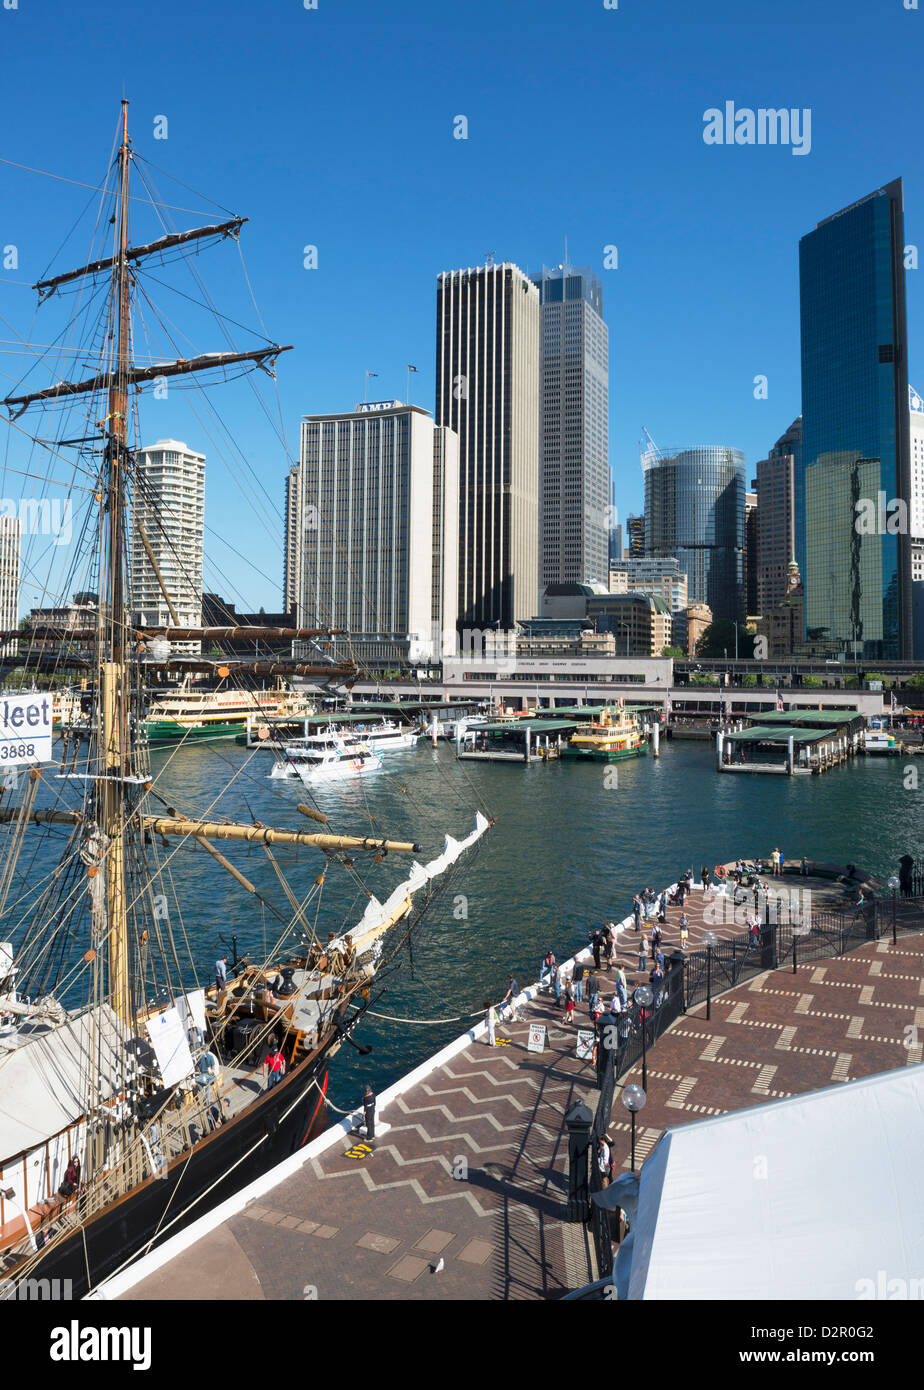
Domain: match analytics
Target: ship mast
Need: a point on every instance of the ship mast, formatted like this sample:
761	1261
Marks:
113	684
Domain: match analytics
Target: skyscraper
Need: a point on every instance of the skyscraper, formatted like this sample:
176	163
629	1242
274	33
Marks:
374	510
292	547
777	517
750	550
635	526
487	392
10	533
855	442
169	501
694	510
574	474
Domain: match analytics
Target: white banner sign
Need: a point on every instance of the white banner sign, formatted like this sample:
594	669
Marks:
584	1050
25	729
536	1041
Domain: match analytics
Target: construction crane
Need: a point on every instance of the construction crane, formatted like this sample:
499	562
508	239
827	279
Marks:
651	446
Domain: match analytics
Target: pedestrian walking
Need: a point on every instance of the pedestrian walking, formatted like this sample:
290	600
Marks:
513	990
776	861
642	954
637	912
559	977
684	930
221	973
547	975
577	980
611	943
655	939
490	1019
568	1016
593	990
595	946
803	867
622	987
705	876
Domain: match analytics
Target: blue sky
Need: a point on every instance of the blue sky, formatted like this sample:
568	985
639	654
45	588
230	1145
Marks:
334	127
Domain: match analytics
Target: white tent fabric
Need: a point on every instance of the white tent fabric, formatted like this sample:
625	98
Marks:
43	1084
814	1197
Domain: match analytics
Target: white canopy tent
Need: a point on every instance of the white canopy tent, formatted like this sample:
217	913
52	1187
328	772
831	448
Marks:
819	1196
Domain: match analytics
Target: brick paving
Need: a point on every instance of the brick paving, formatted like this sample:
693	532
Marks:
472	1168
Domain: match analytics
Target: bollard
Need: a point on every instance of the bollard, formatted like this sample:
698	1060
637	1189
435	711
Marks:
578	1120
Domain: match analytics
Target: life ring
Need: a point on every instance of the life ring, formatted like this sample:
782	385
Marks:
263	732
720	870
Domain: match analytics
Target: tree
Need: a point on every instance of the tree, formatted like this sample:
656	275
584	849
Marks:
677	653
916	682
719	638
812	682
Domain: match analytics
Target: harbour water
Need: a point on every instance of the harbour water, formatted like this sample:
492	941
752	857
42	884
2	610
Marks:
572	843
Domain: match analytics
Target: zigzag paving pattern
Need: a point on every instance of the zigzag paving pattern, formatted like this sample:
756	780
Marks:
472	1168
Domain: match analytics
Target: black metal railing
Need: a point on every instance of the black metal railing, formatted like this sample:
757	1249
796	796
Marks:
785	939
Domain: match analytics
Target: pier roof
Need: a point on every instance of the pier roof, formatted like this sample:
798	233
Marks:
515	726
759	733
827	717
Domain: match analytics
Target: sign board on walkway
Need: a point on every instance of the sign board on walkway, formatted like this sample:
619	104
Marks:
25	729
584	1050
536	1041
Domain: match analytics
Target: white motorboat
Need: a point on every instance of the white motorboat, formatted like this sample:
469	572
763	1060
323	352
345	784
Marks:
325	758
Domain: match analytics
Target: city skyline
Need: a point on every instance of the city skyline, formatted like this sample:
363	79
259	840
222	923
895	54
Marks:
686	373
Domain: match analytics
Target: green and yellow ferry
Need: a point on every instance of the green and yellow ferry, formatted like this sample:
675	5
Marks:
206	716
618	733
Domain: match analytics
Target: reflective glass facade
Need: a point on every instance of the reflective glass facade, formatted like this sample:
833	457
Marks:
694	509
855	440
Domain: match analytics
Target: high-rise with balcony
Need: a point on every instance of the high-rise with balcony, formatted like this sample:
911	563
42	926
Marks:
10	540
575	512
169	502
855	429
487	393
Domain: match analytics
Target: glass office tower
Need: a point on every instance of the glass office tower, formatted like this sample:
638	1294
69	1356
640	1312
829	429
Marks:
694	509
855	431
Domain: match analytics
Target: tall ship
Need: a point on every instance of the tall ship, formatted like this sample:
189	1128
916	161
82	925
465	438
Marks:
617	734
135	1094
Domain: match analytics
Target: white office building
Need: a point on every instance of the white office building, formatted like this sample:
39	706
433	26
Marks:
372	522
169	502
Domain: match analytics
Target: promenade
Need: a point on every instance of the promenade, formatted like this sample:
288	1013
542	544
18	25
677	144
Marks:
472	1168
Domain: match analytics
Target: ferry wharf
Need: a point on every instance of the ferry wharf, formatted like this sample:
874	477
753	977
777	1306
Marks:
464	1196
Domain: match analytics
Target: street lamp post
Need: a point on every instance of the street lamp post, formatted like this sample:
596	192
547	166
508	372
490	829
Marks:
711	940
643	998
634	1098
894	886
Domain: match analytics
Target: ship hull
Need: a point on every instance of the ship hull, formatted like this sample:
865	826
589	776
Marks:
235	1154
606	755
162	732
